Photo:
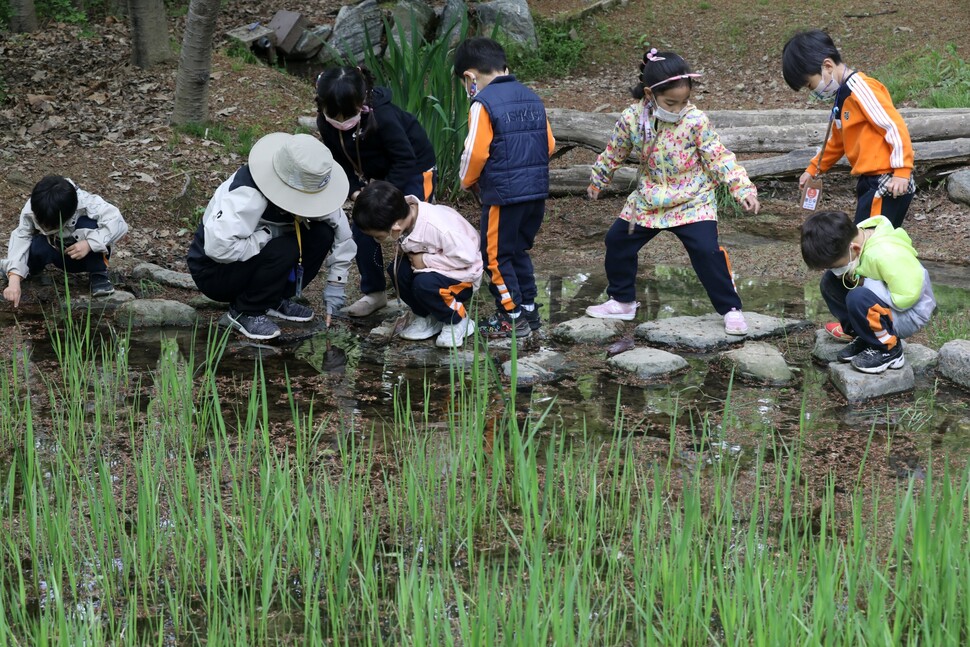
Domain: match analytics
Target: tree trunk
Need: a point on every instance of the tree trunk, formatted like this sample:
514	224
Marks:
195	62
23	18
149	33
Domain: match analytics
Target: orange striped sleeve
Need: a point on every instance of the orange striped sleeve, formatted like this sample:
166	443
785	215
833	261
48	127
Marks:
477	145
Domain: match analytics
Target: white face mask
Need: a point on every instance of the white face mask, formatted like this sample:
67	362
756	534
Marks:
825	90
667	116
848	267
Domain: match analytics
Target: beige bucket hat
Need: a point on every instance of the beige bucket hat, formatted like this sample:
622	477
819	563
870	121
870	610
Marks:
297	173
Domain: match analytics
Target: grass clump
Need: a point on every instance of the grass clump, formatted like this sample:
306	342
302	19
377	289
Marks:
561	50
933	79
178	502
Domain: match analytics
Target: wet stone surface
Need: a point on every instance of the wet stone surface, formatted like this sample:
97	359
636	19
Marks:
859	387
544	366
648	363
587	330
706	332
758	362
955	361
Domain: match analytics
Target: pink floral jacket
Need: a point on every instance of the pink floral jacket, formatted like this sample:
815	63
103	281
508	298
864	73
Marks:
676	185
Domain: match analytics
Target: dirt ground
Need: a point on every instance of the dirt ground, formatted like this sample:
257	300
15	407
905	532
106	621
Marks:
75	106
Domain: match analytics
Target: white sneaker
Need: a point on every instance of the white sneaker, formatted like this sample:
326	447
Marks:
421	328
734	323
367	304
613	309
453	335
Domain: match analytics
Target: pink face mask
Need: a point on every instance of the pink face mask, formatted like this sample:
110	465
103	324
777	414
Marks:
344	125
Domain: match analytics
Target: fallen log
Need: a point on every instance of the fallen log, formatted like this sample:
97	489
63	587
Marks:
778	131
931	158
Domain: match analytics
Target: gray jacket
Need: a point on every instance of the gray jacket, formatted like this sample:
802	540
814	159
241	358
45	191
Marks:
111	227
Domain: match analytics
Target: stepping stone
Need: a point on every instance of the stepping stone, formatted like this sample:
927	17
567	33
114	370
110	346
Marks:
145	313
544	366
955	361
647	363
826	347
758	361
707	332
857	386
587	330
922	358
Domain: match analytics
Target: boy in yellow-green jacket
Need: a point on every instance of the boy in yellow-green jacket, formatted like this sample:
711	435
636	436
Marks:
874	284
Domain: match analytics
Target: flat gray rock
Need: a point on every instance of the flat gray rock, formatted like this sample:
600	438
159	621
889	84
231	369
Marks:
145	313
707	331
162	276
857	386
955	361
544	366
922	358
587	330
826	347
758	361
647	363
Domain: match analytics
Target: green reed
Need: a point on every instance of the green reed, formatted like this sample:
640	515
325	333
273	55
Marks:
181	509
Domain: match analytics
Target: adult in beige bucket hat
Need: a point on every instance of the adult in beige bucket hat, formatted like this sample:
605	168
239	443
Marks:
267	232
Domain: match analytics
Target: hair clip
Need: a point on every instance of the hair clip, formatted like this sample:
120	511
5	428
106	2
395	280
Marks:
652	56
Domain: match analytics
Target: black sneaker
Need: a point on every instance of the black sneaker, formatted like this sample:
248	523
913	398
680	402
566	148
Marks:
291	311
253	326
100	285
874	360
502	325
532	316
852	349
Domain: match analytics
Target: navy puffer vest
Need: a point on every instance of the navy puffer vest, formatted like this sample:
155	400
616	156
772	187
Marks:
517	169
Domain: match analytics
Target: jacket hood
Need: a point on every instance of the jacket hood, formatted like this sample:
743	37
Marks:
379	97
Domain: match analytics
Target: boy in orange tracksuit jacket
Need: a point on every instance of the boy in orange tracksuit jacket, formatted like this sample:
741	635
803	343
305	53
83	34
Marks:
867	128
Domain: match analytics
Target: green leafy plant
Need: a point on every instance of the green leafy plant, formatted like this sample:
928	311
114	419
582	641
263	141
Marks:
560	51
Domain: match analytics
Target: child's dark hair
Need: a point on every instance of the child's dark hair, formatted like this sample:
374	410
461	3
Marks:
343	90
53	200
479	53
653	70
803	56
825	238
378	206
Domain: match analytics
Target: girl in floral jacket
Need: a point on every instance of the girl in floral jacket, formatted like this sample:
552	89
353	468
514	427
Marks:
681	161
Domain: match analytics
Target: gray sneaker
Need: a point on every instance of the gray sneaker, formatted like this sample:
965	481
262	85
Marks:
101	285
291	311
253	326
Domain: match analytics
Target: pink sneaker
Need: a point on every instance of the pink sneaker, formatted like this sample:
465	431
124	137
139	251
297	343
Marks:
613	310
734	323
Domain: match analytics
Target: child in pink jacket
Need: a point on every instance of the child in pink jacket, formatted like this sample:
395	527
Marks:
437	266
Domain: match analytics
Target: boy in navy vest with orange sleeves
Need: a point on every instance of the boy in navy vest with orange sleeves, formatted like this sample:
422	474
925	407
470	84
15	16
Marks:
506	162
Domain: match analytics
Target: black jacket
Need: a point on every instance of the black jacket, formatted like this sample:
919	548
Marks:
389	144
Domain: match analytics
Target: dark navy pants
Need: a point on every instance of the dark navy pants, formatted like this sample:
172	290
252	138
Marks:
508	233
259	283
49	250
370	260
709	260
860	311
430	293
869	205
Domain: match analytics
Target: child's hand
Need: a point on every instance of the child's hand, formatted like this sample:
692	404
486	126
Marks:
592	192
897	186
78	250
417	261
805	177
12	293
750	204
